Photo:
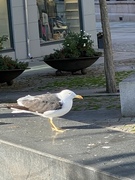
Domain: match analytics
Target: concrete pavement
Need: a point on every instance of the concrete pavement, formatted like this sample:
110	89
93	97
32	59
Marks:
89	149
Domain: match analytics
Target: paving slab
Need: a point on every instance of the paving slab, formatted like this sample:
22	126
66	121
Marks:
84	151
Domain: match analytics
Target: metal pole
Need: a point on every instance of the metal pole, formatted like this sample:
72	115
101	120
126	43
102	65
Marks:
27	29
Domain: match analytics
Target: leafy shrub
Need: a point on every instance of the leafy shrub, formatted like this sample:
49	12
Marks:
6	63
75	45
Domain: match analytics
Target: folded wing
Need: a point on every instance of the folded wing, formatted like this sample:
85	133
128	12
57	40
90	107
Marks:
39	103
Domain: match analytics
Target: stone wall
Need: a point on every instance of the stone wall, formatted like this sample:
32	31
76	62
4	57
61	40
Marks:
118	11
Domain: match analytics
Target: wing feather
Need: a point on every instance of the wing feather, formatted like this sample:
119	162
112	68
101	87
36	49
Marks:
40	103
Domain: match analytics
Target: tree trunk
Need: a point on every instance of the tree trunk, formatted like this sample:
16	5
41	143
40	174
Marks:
108	54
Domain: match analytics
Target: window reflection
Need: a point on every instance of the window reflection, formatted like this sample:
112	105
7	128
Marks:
56	18
4	23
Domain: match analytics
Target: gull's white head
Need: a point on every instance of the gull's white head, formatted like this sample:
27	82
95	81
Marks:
69	94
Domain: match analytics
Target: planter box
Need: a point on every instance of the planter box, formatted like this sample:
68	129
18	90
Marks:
8	75
71	65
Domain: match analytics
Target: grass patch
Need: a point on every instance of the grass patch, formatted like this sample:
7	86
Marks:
122	75
96	103
87	81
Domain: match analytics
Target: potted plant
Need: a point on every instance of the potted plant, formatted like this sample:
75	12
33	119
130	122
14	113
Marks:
77	53
9	69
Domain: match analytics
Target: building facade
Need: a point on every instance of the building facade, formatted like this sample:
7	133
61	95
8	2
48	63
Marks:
35	27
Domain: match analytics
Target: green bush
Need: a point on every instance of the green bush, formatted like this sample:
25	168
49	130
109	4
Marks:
75	45
6	63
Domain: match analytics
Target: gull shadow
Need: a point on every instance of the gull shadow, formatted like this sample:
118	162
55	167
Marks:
18	115
89	126
3	123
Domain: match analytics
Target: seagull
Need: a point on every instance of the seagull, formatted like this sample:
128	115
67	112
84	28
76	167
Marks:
49	105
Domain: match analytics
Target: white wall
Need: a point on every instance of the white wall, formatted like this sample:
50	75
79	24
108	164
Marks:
89	18
19	28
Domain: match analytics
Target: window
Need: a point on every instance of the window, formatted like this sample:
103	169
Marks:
4	24
56	18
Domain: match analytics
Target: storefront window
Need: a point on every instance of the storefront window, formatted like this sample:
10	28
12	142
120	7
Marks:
4	24
56	18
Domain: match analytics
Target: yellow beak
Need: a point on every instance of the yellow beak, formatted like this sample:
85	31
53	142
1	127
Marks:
79	97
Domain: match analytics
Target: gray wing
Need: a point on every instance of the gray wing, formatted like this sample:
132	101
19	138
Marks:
41	103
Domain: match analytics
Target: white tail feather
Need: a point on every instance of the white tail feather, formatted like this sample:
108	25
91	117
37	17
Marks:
19	111
24	111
